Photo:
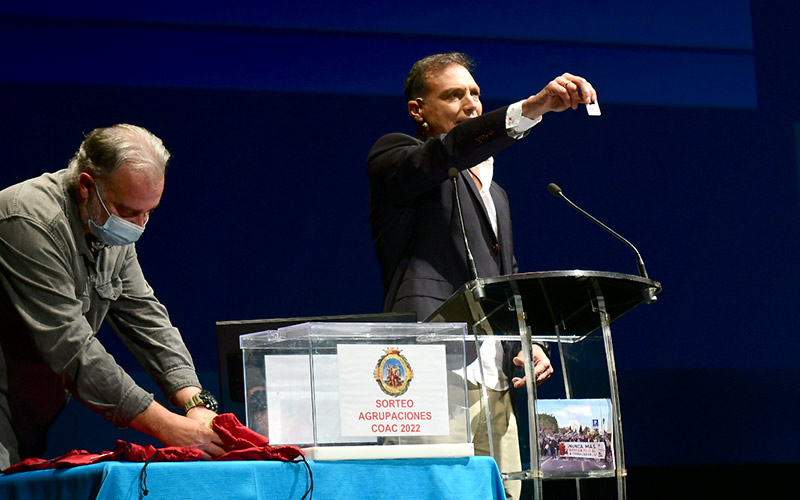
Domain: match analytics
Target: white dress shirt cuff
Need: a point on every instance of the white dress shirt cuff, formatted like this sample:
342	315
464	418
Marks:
516	124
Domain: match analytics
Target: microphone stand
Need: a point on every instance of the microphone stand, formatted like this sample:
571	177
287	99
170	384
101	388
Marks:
649	293
478	293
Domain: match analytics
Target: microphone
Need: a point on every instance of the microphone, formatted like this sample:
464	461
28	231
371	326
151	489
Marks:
478	292
649	293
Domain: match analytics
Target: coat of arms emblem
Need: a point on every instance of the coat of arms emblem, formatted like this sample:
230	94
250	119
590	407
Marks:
393	373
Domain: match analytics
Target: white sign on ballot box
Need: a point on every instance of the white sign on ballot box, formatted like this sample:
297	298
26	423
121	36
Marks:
392	390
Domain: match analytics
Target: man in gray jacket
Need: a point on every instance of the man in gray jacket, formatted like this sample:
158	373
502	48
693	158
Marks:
67	263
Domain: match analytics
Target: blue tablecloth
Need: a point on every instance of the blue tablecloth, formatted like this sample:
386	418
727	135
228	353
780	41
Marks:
434	478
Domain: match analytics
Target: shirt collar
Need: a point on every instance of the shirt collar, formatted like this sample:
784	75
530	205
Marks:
484	171
73	216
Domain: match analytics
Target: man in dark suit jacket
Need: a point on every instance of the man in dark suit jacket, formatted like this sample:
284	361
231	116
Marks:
415	224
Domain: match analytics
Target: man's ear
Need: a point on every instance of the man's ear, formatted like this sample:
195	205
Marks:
85	183
414	110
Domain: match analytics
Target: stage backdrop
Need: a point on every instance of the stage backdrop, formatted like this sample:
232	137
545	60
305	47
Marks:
269	114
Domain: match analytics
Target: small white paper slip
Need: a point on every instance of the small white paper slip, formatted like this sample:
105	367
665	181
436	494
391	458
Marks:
593	109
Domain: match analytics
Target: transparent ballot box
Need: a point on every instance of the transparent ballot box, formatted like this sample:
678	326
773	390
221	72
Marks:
360	390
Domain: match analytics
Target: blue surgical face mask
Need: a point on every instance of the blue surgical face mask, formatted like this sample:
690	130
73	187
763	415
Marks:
116	231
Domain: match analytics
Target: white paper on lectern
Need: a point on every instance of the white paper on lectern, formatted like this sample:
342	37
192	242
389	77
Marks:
366	410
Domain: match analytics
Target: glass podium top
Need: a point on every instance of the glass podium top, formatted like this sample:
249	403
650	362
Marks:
553	302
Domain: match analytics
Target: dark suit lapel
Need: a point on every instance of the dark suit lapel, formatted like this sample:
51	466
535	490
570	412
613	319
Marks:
476	195
503	228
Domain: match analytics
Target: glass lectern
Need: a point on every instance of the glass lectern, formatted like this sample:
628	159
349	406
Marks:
562	309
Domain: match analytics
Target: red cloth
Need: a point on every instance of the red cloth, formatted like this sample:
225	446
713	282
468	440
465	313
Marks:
69	459
242	443
238	441
131	452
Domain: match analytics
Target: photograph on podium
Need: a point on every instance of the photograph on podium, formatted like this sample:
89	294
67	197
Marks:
575	437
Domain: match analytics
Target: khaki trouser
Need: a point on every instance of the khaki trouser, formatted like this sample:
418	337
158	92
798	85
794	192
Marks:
504	433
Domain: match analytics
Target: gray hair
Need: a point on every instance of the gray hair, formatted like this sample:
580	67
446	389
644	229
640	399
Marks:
104	150
417	80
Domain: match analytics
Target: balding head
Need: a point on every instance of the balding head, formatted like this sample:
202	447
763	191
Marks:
104	150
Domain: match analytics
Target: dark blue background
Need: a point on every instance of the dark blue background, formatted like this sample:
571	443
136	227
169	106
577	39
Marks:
269	114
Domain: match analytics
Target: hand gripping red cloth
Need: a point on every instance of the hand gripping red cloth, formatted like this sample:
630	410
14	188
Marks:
238	441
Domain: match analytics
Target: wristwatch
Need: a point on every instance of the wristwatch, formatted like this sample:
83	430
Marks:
202	398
